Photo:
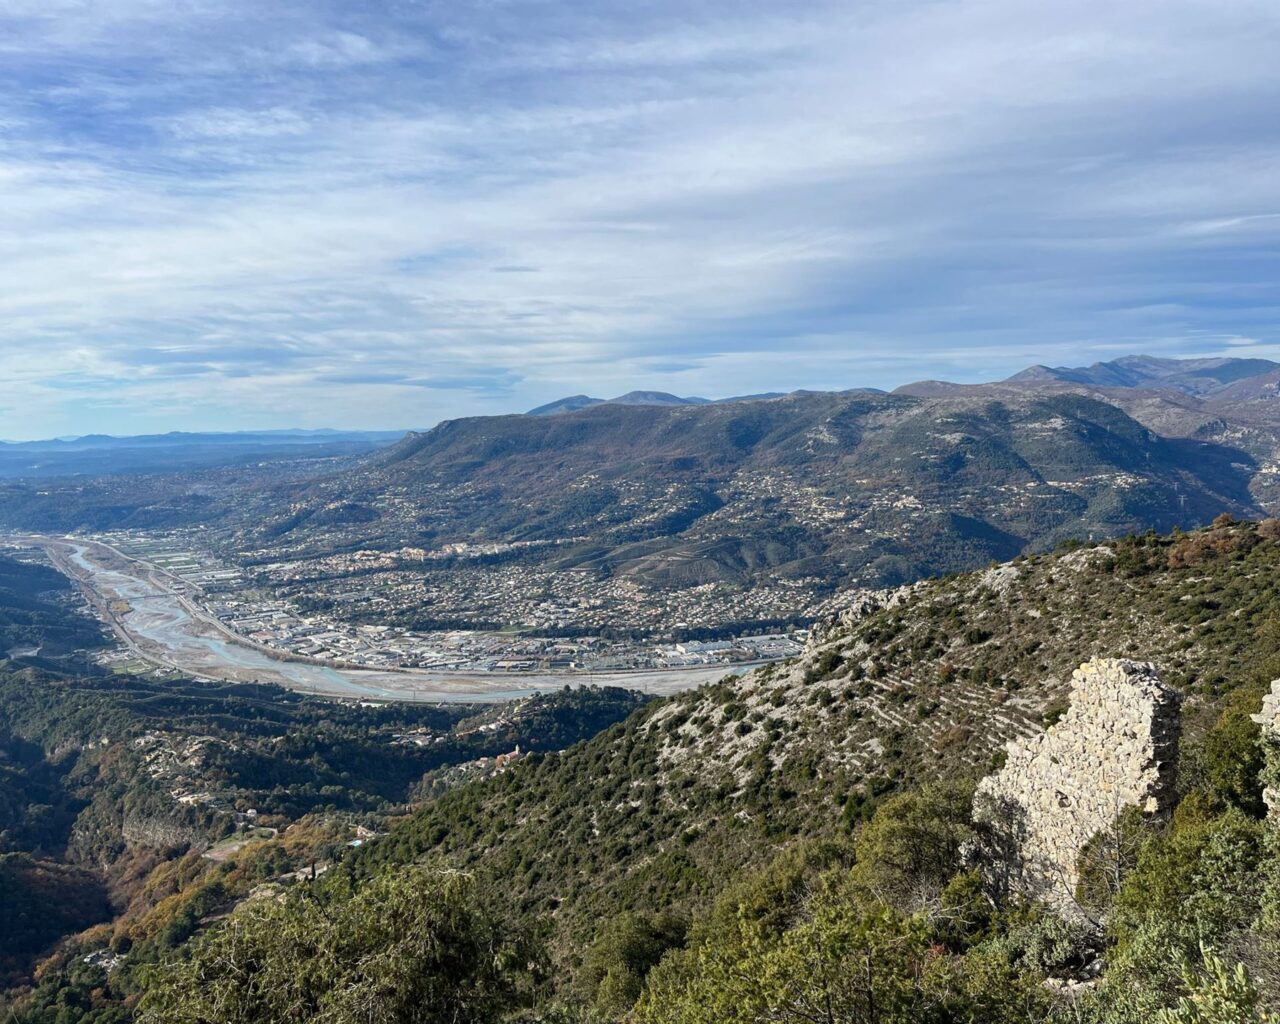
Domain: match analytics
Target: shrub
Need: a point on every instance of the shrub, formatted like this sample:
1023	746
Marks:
911	847
1200	882
627	948
1217	994
411	948
1228	761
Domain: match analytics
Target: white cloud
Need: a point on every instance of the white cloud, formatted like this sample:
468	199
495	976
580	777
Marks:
235	211
235	123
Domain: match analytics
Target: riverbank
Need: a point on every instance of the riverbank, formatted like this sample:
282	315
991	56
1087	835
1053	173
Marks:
163	628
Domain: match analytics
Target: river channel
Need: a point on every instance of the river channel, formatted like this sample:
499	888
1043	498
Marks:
164	629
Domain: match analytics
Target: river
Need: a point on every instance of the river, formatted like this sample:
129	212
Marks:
160	627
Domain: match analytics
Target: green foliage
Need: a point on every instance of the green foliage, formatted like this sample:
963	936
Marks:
827	663
1053	713
35	613
77	993
40	901
36	810
1199	883
272	750
410	949
910	849
1041	943
1228	761
1217	994
837	960
617	963
1269	919
861	966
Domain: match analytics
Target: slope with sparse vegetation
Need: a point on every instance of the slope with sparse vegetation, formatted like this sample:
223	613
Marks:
790	845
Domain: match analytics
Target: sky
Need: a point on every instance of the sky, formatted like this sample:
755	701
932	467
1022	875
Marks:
226	214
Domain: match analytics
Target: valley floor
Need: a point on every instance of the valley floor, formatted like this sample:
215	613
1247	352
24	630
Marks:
166	629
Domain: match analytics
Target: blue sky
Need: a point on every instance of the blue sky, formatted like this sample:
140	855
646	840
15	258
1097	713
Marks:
244	214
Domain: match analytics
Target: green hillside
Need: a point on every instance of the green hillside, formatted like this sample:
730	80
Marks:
760	838
803	484
824	489
657	812
139	806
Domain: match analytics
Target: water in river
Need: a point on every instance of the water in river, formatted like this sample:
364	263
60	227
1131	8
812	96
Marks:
163	629
157	621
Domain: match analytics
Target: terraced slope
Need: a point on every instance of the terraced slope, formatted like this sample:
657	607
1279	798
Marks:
904	687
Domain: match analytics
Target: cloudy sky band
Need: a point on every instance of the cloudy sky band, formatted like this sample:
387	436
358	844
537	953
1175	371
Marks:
391	213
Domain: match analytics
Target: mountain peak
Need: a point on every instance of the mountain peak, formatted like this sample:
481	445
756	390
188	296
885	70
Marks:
655	398
562	405
576	402
1192	376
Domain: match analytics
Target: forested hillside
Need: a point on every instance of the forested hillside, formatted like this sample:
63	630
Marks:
828	488
140	805
37	617
744	851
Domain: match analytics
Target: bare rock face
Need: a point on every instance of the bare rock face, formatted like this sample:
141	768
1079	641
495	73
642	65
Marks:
1114	748
1269	719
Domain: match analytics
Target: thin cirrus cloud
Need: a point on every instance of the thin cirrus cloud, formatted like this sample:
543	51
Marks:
224	213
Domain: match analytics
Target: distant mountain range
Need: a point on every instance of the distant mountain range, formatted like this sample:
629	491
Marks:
1192	376
574	403
180	438
1204	378
821	489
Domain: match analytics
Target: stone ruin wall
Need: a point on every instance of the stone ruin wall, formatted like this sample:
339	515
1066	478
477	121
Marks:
1114	748
1269	720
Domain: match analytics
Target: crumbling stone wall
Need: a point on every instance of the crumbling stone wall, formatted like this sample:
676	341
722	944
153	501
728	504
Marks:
1269	719
1113	748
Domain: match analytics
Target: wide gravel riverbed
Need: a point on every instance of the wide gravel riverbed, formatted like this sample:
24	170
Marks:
165	629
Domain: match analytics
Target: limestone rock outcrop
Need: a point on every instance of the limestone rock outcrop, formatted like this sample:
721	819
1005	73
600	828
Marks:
1113	748
1269	719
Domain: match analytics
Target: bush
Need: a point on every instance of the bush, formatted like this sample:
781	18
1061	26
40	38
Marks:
412	948
911	847
1199	883
1228	762
1218	994
616	964
838	960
